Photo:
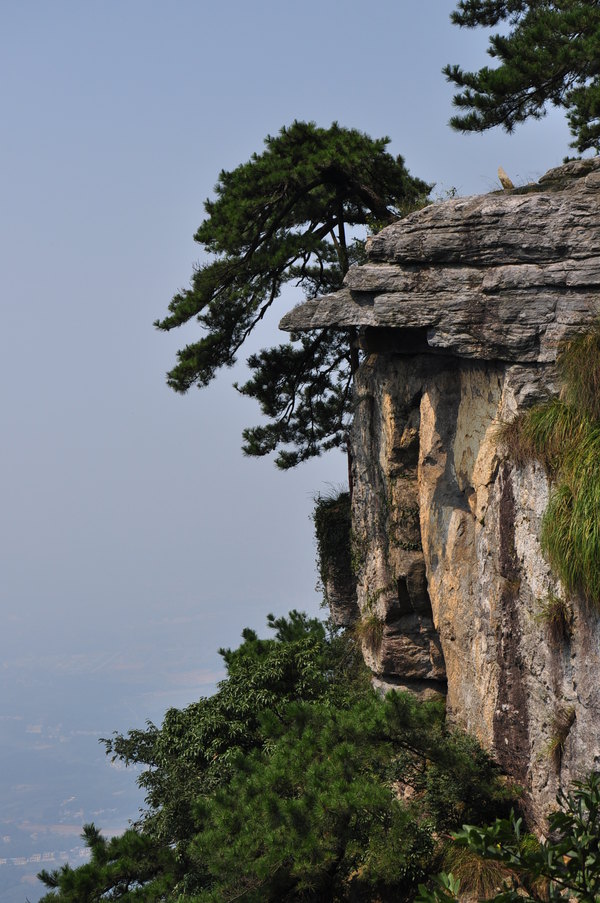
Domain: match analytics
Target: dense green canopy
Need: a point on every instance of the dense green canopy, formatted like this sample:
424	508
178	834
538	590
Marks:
549	55
295	781
284	217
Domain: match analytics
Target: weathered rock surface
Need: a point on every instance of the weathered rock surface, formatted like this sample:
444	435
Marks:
340	596
462	307
400	643
505	275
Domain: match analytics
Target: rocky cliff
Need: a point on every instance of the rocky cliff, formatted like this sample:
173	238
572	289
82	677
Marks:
461	309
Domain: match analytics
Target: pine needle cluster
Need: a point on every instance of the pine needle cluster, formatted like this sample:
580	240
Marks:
549	55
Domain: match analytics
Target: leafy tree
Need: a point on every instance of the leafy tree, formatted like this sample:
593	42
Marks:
564	867
551	55
287	216
295	781
195	749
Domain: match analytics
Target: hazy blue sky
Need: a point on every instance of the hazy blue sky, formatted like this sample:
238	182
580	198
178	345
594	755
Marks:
136	539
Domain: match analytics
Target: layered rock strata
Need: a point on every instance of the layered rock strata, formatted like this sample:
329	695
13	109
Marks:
461	309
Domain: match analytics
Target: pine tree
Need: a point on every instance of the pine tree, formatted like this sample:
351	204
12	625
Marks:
286	216
283	786
127	868
551	55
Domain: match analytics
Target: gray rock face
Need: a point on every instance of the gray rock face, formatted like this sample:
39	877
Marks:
340	596
506	275
461	310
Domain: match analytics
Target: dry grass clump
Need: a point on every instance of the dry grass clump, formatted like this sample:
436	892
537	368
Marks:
479	878
564	436
369	630
555	613
562	722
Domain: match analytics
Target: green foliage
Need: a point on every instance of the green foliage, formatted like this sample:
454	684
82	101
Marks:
195	749
565	867
571	527
129	868
333	530
542	434
444	887
314	815
579	365
283	217
548	56
462	783
564	436
296	781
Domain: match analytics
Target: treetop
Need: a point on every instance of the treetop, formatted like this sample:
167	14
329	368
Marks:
551	55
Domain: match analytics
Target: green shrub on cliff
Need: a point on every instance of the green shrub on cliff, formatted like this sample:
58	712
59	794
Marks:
295	781
564	436
333	531
564	867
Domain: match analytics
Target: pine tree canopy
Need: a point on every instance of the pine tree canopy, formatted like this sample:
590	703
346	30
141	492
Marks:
284	217
550	55
284	786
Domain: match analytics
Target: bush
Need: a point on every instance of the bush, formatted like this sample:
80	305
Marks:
566	867
333	530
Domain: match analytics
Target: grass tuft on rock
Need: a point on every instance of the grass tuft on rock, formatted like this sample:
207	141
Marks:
369	630
479	878
555	614
579	367
564	436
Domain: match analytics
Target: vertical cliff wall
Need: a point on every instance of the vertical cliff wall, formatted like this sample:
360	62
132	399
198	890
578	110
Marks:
461	310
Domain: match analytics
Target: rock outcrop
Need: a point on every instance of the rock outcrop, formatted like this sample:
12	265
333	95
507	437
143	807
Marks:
461	309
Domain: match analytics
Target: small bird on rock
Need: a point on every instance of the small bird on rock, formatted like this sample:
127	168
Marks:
505	181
